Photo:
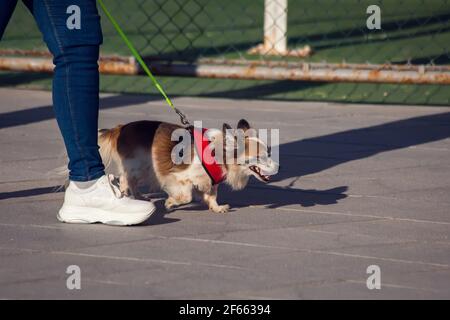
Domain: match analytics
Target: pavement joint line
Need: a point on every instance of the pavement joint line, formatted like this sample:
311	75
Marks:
359	215
320	252
434	189
342	254
57	278
315	225
154	236
235	243
318	283
134	259
108	282
395	198
28	280
40	226
397	286
321	283
281	286
306	228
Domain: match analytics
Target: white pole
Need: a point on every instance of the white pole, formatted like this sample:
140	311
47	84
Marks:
275	26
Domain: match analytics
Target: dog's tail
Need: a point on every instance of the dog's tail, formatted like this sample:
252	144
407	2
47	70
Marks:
63	172
107	140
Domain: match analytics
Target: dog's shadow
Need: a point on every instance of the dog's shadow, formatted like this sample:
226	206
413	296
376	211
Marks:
159	216
270	197
273	197
317	154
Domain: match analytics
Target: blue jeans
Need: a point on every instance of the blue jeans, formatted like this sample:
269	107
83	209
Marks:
76	76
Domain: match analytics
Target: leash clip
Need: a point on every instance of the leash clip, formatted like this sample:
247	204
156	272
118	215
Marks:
183	117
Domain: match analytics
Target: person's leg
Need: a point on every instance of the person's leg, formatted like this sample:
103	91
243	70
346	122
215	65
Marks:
75	48
7	8
76	78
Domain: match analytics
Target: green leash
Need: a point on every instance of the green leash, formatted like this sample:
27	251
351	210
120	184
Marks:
144	66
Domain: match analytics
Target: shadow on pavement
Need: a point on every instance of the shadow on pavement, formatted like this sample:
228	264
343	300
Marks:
32	115
313	155
29	192
159	216
273	197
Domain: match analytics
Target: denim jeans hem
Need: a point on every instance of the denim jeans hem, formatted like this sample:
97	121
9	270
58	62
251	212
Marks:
88	178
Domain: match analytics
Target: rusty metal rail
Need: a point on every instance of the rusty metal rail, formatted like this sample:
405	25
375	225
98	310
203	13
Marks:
255	70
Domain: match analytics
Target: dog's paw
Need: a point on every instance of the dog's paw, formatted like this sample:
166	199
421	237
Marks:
126	192
170	203
221	209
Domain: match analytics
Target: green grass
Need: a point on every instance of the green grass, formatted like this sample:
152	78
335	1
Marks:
416	31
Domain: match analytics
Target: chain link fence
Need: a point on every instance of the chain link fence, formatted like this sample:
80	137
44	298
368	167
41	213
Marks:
327	41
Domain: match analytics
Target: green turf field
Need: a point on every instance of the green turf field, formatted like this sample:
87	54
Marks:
415	31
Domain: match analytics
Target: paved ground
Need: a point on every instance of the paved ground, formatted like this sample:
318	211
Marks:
361	185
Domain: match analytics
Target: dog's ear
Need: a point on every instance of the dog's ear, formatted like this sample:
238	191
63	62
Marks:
243	124
226	127
228	137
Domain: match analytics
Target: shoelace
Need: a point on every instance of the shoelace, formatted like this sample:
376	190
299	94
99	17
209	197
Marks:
115	187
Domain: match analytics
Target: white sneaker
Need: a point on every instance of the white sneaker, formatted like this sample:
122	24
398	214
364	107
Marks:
103	202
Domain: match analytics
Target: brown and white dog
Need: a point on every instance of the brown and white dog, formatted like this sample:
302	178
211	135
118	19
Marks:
142	154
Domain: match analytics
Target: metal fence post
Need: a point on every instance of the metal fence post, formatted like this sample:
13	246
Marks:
275	26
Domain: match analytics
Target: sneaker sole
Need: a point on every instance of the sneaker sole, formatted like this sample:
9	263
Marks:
73	214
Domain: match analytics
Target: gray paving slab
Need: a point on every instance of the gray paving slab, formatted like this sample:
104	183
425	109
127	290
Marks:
360	185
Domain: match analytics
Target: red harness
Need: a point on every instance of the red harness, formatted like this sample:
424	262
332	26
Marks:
209	163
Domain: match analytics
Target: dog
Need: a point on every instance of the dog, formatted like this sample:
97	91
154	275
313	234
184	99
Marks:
142	153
